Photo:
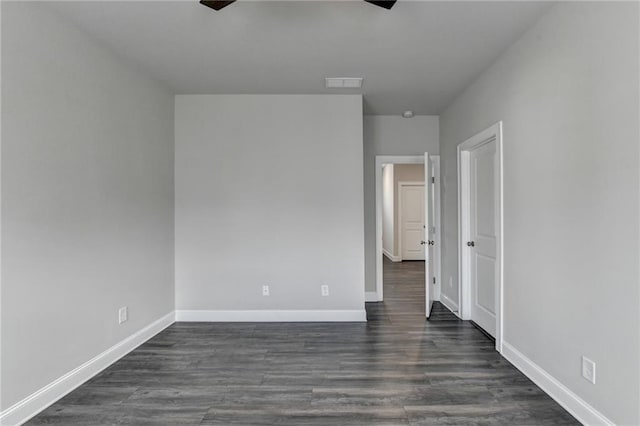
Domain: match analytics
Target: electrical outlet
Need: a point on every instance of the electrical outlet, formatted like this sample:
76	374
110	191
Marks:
589	370
123	314
265	290
324	289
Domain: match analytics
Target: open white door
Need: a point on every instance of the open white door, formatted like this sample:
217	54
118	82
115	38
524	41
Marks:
428	236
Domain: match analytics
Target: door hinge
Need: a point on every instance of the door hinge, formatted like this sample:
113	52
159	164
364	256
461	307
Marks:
433	179
434	280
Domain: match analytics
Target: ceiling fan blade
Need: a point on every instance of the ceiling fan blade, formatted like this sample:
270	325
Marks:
216	4
387	4
219	4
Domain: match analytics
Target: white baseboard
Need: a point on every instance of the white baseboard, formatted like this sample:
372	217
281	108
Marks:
571	402
273	316
371	296
24	410
449	303
391	257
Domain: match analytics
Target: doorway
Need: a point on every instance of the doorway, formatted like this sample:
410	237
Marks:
481	230
419	237
411	226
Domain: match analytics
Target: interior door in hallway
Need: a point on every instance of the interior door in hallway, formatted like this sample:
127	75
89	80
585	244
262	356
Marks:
428	235
483	231
412	220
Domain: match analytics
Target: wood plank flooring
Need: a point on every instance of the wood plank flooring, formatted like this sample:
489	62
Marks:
397	369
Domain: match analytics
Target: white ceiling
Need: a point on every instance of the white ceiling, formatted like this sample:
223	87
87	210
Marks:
418	55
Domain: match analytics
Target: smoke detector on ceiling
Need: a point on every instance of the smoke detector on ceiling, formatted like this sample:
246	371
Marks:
407	114
343	83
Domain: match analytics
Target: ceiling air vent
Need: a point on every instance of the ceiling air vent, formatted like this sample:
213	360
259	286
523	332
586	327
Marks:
343	83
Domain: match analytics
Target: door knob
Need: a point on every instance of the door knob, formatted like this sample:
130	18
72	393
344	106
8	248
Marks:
471	244
431	242
423	243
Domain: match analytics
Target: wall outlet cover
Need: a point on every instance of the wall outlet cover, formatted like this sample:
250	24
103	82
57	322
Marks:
123	314
589	370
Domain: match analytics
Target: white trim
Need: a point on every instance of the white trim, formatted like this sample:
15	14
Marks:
24	410
391	257
492	133
389	217
371	296
380	160
449	304
400	224
273	316
571	402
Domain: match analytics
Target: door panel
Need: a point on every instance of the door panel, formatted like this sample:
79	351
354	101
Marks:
485	296
484	265
484	186
412	222
429	237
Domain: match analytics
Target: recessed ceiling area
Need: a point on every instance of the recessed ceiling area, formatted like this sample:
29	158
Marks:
418	55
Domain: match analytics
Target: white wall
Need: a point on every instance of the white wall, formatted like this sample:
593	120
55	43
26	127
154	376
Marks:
390	135
388	230
87	199
269	192
567	93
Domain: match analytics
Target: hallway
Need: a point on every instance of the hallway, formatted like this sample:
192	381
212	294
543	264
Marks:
404	290
396	369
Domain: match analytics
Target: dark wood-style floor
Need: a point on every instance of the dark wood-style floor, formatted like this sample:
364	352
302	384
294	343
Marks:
396	369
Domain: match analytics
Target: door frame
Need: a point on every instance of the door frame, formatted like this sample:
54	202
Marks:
400	201
378	295
464	225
